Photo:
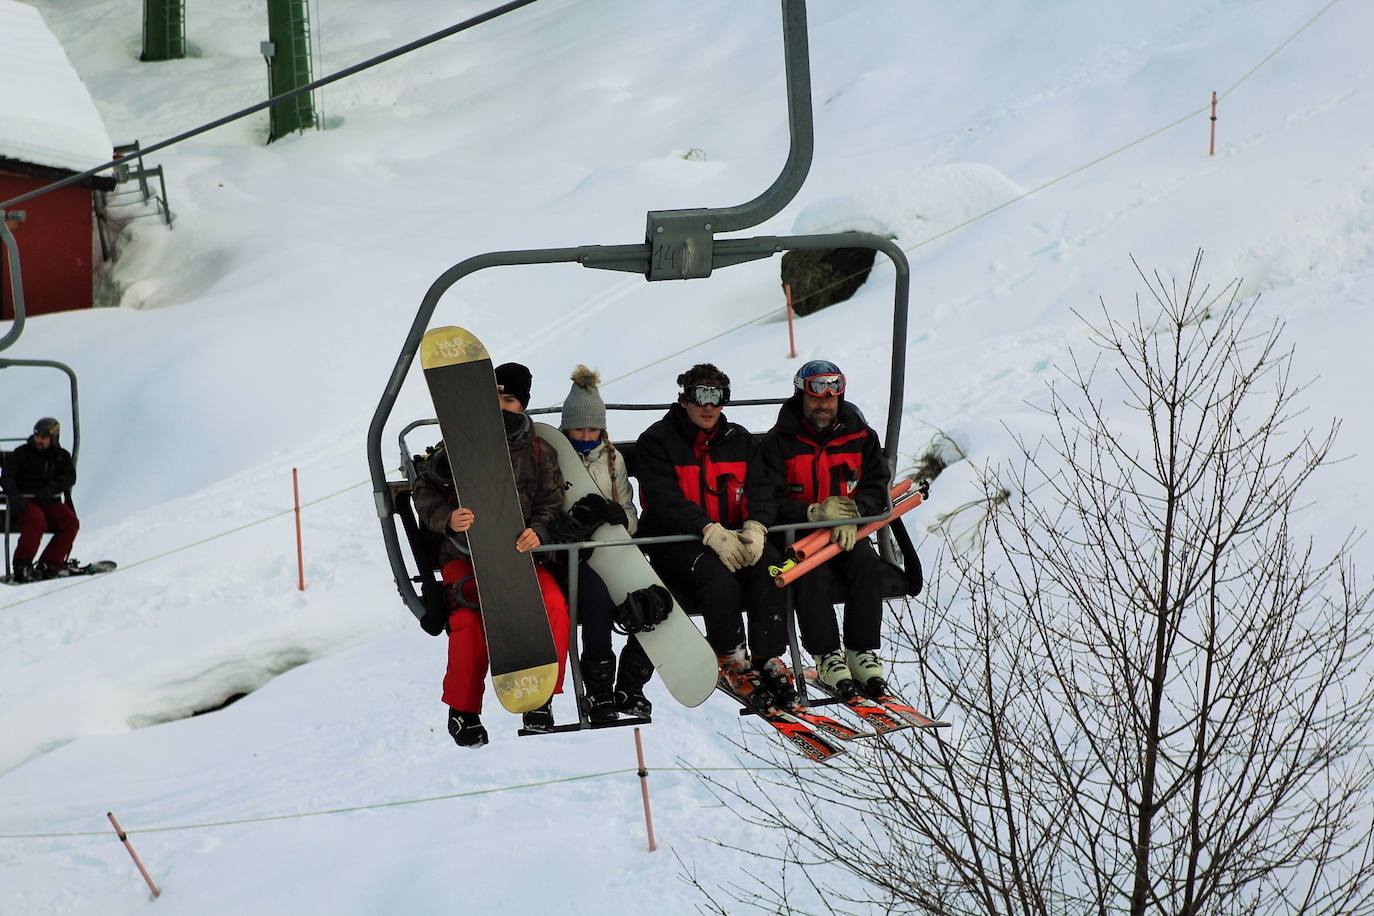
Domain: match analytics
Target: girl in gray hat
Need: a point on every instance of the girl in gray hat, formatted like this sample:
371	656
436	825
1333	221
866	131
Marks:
584	423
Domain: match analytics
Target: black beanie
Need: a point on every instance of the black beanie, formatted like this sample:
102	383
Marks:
48	426
513	378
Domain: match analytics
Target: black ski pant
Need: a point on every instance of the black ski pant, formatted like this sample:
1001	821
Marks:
858	576
695	572
594	613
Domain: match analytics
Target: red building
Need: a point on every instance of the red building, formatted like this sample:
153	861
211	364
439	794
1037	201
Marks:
58	249
49	129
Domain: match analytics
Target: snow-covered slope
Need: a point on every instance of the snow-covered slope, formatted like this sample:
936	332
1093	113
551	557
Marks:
258	333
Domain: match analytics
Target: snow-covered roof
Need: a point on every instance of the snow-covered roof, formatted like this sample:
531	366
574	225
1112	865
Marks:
46	115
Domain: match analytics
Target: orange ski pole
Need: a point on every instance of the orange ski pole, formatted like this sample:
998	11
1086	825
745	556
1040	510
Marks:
817	539
788	576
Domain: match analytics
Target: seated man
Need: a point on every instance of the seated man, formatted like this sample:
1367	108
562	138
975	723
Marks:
700	475
828	465
35	476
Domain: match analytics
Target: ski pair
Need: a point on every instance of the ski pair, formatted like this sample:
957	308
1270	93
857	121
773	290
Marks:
885	712
795	730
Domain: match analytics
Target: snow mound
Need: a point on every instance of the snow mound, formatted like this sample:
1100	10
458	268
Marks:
912	206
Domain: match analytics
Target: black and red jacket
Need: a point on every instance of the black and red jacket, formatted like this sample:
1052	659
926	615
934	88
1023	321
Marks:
807	465
688	479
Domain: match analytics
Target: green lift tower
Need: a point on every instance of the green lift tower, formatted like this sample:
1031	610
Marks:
164	30
287	51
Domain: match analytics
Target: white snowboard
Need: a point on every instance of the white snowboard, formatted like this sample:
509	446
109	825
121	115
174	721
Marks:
681	655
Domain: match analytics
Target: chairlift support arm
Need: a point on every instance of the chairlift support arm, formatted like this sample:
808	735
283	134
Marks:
11	251
678	245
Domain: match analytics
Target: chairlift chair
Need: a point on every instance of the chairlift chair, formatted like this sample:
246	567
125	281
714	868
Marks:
678	245
11	248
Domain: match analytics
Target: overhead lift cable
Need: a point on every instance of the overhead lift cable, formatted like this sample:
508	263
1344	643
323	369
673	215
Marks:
371	62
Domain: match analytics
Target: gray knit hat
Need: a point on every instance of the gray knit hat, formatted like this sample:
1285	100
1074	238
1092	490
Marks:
583	407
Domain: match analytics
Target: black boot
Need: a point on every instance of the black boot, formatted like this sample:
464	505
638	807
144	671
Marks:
466	728
635	671
539	720
630	700
23	571
598	682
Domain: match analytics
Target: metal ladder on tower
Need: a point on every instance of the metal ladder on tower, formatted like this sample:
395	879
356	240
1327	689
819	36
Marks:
299	14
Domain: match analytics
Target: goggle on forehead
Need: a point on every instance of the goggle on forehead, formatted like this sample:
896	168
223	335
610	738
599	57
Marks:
707	395
824	385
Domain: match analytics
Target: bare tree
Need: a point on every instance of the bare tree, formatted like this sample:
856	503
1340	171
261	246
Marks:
1162	696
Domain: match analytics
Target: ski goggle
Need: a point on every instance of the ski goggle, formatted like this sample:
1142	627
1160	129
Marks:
824	385
707	395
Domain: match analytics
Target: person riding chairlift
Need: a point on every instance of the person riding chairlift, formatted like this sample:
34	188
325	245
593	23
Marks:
35	476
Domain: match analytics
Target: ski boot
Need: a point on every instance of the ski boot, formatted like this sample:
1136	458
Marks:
466	728
777	678
539	720
833	671
743	681
868	672
598	677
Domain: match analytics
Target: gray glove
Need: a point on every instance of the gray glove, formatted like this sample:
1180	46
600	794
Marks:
752	538
845	536
726	544
832	509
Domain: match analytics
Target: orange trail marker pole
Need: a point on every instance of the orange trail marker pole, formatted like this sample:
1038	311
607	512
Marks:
1212	147
644	789
124	838
300	557
791	337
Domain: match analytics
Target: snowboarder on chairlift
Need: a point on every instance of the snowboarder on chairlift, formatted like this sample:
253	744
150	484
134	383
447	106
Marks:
827	465
35	477
583	421
702	475
539	484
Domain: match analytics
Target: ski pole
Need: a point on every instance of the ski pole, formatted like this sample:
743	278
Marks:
817	539
644	789
124	838
790	573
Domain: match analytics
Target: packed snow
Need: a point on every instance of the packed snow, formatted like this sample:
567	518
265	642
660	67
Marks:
1017	152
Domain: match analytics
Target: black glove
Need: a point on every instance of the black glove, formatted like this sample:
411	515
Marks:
589	511
567	528
615	514
434	622
435	599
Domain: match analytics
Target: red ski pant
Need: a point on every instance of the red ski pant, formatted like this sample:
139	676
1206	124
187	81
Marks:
56	517
466	676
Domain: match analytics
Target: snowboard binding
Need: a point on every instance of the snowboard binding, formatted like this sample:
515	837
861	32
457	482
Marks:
643	609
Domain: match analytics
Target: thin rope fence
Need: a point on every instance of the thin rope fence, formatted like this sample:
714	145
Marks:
375	806
1203	109
87	580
